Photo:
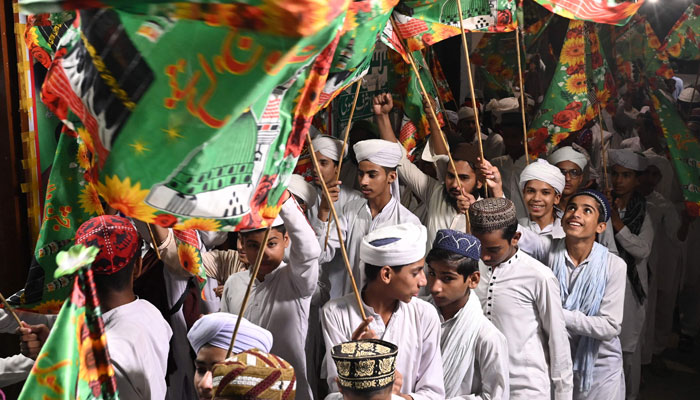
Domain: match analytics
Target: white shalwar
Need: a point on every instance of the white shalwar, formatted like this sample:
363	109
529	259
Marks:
355	223
521	298
414	327
138	340
281	302
486	376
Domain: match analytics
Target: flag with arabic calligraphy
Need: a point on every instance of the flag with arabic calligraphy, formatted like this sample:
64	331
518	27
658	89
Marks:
581	81
424	23
611	12
172	144
684	149
74	362
683	40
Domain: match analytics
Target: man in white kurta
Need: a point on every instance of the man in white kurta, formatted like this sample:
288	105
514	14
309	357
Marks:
520	296
607	377
413	325
281	302
358	216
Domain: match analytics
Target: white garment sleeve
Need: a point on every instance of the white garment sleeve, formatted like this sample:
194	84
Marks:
327	253
9	325
637	245
14	369
554	327
534	245
429	380
608	323
304	249
419	183
332	335
492	359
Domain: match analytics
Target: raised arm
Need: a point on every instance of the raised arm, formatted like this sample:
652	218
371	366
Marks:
304	249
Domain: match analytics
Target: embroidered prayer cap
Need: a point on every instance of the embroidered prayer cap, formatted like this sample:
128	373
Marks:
254	374
216	330
394	245
567	153
381	152
117	239
299	187
329	147
543	171
492	214
628	159
599	197
466	113
458	242
365	365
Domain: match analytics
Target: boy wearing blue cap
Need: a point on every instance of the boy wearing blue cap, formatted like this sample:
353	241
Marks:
592	285
474	351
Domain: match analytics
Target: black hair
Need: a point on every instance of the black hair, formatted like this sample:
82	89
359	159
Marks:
372	271
465	266
279	228
118	281
508	233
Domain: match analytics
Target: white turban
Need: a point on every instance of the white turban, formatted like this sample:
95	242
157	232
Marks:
465	113
568	153
216	330
329	147
628	159
503	106
689	95
381	152
299	187
543	171
394	245
452	116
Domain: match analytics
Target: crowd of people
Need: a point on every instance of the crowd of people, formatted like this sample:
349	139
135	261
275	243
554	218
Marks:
480	275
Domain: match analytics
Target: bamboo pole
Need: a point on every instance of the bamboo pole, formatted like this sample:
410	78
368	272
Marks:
603	150
246	297
522	95
334	214
153	240
433	115
11	310
342	151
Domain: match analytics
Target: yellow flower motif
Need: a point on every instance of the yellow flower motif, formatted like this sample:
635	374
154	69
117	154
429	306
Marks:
189	258
576	84
675	50
200	224
443	32
90	201
126	198
85	136
49	307
32	36
83	156
573	52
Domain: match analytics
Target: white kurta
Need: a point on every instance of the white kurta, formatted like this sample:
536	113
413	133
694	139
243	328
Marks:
487	377
138	340
355	223
414	328
14	369
281	302
521	298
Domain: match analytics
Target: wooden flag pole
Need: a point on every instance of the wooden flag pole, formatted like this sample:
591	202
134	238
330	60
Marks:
337	226
153	240
342	151
603	150
11	310
522	95
253	276
471	87
433	115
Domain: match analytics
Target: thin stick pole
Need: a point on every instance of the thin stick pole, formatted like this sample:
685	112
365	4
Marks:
337	227
11	310
435	119
471	86
603	150
522	95
153	240
253	276
342	151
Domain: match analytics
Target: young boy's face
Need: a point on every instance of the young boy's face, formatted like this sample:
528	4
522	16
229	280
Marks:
581	218
274	252
446	285
540	198
495	249
573	176
624	180
203	364
405	284
328	167
373	179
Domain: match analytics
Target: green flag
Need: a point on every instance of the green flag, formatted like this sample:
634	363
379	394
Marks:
682	41
614	12
74	362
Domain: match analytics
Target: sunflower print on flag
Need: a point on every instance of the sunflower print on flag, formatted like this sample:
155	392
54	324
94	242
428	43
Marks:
581	84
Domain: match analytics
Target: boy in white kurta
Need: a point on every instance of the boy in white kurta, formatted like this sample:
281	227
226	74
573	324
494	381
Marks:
474	351
281	295
520	296
379	207
393	260
592	282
